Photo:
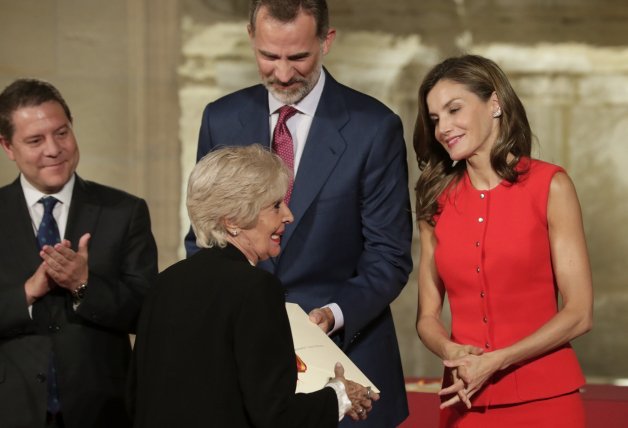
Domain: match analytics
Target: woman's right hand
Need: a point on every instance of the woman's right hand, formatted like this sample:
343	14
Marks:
361	397
454	352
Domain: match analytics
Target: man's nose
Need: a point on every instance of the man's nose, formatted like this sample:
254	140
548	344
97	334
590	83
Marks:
284	72
51	146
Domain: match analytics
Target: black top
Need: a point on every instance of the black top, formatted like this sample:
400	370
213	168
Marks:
214	349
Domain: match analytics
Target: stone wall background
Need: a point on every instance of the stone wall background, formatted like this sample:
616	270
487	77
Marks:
138	73
115	64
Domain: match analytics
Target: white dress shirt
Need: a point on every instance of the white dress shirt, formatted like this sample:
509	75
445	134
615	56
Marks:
36	210
299	127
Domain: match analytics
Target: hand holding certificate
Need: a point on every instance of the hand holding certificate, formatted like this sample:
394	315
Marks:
317	354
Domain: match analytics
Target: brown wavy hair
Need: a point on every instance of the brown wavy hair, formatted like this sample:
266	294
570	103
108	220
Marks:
482	77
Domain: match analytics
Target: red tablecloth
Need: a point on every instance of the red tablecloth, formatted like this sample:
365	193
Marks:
606	407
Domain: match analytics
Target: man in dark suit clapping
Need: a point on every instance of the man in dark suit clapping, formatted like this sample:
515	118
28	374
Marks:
77	260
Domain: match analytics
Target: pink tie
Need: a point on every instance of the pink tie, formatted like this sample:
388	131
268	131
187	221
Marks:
282	144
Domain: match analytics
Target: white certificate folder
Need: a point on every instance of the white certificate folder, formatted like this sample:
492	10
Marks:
317	354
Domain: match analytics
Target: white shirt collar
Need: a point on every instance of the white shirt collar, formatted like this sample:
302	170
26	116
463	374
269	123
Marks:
308	104
33	195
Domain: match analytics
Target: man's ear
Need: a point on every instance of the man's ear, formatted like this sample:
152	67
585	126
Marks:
329	39
6	146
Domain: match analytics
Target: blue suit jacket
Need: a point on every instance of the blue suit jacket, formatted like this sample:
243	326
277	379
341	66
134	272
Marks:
350	239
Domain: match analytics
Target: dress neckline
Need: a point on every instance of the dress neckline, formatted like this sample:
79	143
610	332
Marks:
468	182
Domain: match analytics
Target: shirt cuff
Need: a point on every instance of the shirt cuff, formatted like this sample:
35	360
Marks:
344	404
339	319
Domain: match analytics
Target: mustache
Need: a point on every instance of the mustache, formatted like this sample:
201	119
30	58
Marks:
286	84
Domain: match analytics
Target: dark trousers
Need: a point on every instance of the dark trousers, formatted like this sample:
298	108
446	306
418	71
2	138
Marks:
54	421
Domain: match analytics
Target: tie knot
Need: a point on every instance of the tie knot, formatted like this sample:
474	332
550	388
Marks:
49	203
286	112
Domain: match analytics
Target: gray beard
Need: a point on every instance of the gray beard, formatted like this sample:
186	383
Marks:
295	95
290	97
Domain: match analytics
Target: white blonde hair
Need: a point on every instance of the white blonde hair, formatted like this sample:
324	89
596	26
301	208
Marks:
234	184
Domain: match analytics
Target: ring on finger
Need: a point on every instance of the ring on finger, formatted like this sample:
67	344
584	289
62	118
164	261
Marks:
368	392
361	411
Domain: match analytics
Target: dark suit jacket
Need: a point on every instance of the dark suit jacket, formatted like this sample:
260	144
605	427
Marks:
350	240
214	349
91	345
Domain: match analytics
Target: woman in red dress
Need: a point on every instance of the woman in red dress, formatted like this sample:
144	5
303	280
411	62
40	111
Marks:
501	235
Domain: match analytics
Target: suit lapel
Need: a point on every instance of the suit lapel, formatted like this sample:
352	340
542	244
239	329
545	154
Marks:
82	218
254	120
324	147
84	212
18	229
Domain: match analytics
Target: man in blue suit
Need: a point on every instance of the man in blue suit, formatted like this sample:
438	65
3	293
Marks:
346	257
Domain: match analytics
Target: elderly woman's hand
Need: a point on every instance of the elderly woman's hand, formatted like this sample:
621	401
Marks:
361	397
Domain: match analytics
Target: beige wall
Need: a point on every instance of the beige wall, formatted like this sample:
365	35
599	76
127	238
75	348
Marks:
115	64
137	74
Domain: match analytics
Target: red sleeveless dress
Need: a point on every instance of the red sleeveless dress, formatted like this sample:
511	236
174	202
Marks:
493	256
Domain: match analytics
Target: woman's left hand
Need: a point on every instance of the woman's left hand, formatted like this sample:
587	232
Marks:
454	352
472	372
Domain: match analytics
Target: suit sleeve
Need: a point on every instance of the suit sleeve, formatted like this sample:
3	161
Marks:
204	146
267	367
385	263
15	268
14	317
114	301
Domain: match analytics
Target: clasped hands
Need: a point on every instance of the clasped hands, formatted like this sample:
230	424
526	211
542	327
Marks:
470	369
61	266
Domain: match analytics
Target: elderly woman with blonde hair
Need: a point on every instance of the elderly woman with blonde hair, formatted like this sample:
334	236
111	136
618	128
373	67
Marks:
214	346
